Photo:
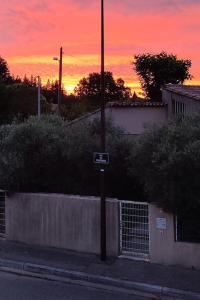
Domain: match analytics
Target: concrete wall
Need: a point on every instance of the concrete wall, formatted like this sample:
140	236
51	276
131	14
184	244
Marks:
135	119
62	221
73	223
163	247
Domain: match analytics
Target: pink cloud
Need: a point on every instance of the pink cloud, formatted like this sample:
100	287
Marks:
39	28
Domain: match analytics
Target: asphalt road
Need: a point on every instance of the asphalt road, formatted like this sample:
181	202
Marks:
18	287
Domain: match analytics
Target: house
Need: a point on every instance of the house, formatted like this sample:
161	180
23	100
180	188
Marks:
134	117
181	100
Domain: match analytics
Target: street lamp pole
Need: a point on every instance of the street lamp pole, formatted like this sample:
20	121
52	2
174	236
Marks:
60	59
39	97
103	142
60	80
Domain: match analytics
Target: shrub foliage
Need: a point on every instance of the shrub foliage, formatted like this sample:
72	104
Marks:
167	162
50	155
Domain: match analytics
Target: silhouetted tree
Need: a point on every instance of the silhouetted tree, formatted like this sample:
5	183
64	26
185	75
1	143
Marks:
50	91
5	77
90	88
30	82
134	97
4	71
159	69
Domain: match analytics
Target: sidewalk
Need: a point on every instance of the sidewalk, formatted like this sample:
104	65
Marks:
174	282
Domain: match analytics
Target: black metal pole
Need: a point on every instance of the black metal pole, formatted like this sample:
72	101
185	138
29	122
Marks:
39	97
103	143
60	80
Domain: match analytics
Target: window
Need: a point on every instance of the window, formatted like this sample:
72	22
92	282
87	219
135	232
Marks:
178	108
173	106
188	226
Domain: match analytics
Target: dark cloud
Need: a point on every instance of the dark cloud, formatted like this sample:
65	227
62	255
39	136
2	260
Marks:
139	6
125	6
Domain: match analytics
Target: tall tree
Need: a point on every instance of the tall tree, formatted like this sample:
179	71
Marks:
89	87
159	69
4	71
30	82
5	77
50	91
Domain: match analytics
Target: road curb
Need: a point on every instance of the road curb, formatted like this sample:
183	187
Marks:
96	279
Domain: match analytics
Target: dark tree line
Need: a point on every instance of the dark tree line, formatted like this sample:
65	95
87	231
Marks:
18	97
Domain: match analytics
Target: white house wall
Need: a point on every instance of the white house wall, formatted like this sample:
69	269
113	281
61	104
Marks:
135	119
192	106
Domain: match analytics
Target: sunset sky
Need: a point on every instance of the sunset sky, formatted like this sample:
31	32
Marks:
32	31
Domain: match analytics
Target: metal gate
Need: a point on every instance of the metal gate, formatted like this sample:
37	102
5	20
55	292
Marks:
2	213
134	229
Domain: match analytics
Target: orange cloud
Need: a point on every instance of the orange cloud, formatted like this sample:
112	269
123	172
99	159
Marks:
31	33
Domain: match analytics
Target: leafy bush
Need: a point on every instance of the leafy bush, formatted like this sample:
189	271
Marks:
30	153
167	161
50	155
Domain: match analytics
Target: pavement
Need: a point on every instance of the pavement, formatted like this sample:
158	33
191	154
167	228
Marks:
135	277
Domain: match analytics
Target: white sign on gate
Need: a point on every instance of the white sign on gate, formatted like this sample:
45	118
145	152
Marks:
161	223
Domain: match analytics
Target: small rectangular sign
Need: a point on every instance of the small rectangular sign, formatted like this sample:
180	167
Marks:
161	223
101	158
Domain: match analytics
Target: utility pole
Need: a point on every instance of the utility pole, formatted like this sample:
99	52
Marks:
60	80
103	142
39	97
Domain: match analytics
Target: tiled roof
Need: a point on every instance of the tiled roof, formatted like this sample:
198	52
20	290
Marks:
136	104
192	91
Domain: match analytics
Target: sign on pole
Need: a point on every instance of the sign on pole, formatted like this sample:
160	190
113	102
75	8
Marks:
101	158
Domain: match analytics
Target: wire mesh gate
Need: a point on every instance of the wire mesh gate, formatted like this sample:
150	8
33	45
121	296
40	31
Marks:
2	214
134	229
